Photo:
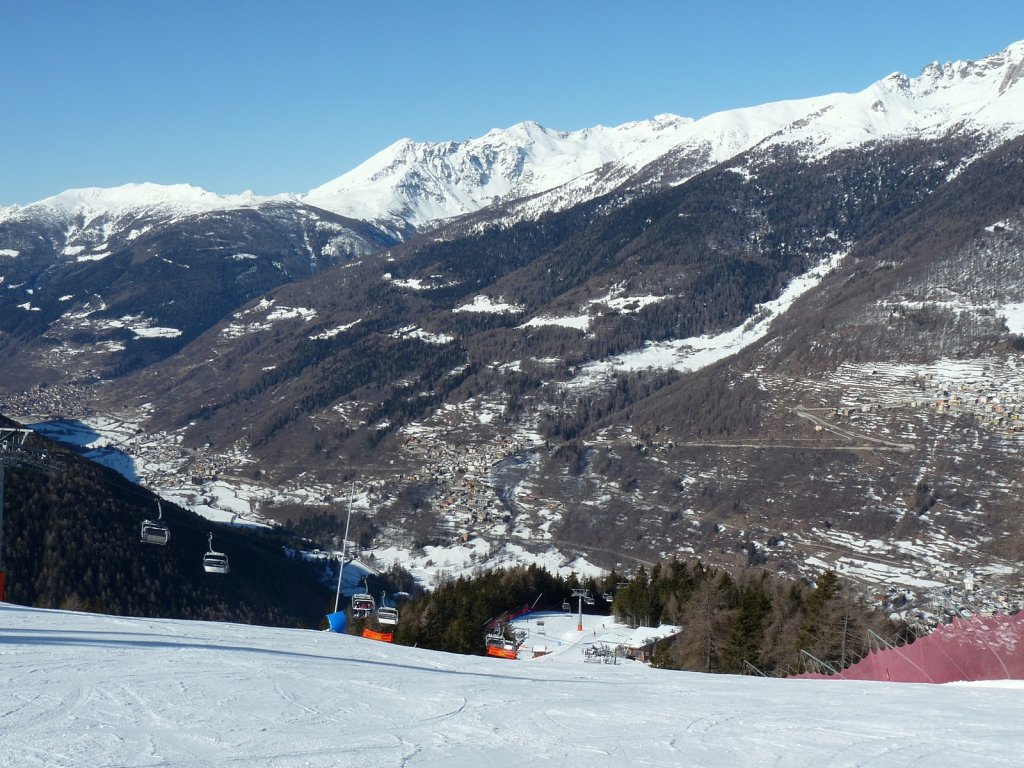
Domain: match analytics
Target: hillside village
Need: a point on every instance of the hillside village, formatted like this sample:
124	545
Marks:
990	391
456	453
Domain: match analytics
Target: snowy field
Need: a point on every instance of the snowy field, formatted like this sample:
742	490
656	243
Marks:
87	690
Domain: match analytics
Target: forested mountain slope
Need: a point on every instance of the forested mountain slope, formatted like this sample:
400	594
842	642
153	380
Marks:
72	541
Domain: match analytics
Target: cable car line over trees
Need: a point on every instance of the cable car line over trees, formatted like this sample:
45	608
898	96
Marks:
363	603
386	614
386	620
14	453
72	540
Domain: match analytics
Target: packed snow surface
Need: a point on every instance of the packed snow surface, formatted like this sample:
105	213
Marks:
89	690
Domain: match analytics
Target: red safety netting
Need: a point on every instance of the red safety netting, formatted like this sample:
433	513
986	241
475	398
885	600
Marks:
978	648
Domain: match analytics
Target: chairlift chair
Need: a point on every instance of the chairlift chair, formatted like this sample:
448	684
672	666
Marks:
386	615
155	531
588	599
363	603
566	606
498	645
215	562
497	639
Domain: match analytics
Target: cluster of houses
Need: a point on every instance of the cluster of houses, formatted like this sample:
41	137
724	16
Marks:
43	402
459	473
991	404
991	401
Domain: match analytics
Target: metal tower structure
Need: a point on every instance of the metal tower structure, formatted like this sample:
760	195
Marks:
14	453
583	595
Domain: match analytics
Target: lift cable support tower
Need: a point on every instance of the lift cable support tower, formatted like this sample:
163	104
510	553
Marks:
583	595
14	453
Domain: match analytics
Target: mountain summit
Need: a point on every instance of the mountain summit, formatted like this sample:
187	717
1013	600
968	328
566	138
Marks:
424	182
412	186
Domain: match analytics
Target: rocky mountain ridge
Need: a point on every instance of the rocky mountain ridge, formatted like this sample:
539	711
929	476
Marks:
419	184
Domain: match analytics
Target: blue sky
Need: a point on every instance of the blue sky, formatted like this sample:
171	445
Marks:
282	97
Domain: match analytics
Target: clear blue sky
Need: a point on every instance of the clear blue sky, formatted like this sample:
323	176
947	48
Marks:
284	96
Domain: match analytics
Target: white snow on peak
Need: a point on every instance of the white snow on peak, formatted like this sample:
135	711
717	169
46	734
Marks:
130	199
421	183
544	169
985	97
429	181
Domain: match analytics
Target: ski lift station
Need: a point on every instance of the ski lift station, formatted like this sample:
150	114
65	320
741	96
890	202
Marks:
555	633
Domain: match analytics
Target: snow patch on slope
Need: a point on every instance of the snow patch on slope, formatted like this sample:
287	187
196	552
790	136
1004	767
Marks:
487	304
701	351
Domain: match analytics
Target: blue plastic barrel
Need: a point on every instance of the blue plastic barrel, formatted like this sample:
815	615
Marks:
337	621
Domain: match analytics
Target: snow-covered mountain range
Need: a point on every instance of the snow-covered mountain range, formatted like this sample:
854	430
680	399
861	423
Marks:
422	183
549	366
426	182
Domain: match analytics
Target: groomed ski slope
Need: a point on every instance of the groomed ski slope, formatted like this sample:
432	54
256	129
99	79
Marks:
87	690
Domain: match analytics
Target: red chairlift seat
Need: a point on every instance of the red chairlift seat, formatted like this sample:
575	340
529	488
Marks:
363	604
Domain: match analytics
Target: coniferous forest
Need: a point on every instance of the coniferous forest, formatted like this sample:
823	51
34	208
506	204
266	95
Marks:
72	541
731	622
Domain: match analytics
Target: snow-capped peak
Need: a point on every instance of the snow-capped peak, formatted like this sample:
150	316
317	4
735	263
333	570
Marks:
981	97
419	183
128	200
185	198
427	181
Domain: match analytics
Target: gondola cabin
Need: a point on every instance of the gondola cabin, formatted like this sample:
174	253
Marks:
500	646
155	531
502	652
215	562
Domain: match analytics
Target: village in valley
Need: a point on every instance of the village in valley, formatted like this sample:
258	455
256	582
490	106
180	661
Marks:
489	513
